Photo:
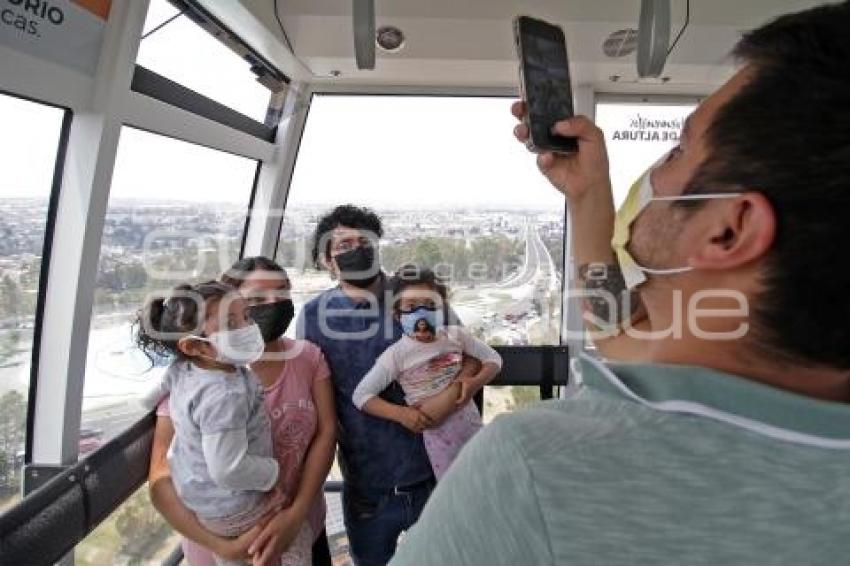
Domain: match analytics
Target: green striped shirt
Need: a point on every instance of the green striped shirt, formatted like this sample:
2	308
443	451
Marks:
648	464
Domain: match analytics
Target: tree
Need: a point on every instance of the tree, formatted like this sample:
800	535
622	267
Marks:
525	395
139	526
428	253
12	427
11	298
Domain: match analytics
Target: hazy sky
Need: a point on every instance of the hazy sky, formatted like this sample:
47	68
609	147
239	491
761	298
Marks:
409	152
28	141
417	152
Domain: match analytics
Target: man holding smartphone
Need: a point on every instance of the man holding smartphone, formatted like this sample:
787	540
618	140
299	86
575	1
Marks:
387	476
722	446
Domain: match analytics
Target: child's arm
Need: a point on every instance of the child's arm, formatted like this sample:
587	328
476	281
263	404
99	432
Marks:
222	414
491	365
366	399
442	404
157	393
230	465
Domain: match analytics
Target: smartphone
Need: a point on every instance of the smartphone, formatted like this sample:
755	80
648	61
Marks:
544	77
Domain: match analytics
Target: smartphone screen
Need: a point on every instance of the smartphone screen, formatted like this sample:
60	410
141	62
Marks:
546	82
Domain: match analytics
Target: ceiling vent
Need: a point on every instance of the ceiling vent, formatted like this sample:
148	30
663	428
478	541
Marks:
620	43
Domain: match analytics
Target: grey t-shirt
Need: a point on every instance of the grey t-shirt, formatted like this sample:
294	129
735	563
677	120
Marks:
648	464
221	456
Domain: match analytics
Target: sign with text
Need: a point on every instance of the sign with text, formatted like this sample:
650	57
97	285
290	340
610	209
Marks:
643	128
636	135
68	32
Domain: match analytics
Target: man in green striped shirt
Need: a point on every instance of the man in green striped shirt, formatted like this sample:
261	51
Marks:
723	435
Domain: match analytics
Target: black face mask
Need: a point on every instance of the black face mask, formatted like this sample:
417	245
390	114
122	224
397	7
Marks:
272	318
360	260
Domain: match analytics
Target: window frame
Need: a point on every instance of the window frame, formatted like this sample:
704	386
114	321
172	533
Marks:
52	434
651	99
248	207
46	250
418	91
150	83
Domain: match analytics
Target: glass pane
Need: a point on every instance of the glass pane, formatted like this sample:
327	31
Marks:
505	399
29	140
636	135
187	54
427	166
335	529
134	534
176	213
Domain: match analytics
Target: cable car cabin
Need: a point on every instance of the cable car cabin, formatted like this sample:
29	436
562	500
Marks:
193	188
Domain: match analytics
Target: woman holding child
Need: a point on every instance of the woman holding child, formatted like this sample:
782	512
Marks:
299	406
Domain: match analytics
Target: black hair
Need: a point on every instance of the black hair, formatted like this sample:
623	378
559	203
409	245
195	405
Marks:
346	215
786	134
239	271
411	274
164	320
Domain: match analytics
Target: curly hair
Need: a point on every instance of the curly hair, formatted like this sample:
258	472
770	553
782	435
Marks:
164	320
346	215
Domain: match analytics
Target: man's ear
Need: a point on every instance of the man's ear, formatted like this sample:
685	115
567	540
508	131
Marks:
328	263
732	233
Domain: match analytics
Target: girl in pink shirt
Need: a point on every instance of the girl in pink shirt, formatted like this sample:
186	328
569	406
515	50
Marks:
426	362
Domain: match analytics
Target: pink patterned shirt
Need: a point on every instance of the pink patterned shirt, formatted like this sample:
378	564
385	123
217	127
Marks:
294	420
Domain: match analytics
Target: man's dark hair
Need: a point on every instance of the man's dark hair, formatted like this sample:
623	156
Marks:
786	134
346	215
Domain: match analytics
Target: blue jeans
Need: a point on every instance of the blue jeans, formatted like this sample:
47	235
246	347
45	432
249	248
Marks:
375	518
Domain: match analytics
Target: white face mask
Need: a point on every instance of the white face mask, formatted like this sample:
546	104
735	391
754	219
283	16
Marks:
640	195
240	347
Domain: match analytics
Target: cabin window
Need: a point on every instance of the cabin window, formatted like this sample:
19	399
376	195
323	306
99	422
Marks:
456	192
184	52
176	213
638	131
29	145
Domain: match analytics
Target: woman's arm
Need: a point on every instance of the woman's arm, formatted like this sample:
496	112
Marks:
165	499
284	527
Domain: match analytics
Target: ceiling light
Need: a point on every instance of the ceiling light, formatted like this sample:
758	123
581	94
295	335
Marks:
389	38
